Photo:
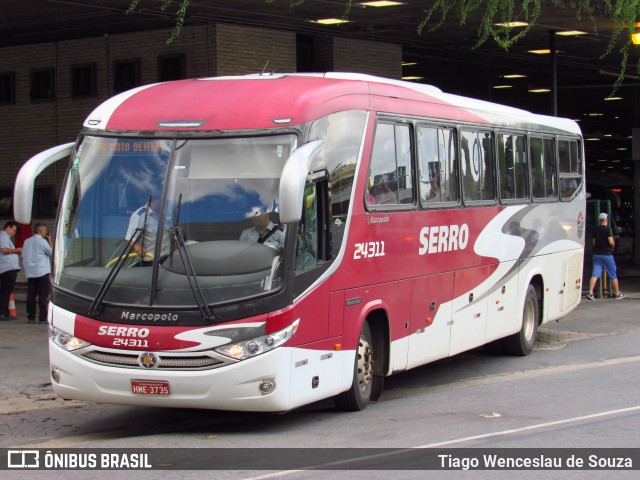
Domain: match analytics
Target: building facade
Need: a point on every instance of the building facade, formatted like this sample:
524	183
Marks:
48	89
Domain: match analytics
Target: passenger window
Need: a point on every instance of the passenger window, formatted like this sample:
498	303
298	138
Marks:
514	173
341	134
543	168
570	167
436	162
477	166
307	241
390	180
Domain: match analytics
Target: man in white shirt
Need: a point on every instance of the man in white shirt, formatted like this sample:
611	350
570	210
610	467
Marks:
146	244
9	267
36	257
264	231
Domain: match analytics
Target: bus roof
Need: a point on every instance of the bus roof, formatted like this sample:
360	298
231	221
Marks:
270	100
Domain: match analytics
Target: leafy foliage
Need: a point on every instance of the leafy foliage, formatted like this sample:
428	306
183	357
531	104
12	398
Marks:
624	14
491	13
488	14
495	11
181	14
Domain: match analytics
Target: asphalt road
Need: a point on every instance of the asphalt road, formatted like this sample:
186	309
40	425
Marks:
578	389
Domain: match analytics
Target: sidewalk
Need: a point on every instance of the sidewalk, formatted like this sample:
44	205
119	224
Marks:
20	298
20	292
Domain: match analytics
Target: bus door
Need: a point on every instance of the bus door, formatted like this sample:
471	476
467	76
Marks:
469	316
430	328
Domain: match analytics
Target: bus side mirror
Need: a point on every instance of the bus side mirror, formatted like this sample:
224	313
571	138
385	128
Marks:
293	179
25	181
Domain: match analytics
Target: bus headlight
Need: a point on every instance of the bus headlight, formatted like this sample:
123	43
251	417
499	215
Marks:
66	341
256	346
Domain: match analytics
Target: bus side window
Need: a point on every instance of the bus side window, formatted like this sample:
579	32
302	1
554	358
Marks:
570	168
307	238
436	165
512	158
390	179
543	168
313	243
450	171
478	167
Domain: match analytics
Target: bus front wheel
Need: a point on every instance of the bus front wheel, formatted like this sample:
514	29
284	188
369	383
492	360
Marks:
360	393
522	343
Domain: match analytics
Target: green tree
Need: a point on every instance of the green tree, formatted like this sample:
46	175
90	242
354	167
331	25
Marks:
622	13
181	14
488	13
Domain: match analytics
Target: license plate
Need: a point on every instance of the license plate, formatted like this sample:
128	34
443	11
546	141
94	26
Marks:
142	387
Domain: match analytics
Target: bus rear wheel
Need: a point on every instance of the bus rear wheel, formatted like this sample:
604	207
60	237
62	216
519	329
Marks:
360	393
522	343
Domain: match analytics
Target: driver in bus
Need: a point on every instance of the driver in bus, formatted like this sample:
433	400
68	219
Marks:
146	244
263	230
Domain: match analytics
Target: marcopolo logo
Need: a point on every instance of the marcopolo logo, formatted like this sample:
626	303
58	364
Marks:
149	317
148	360
580	224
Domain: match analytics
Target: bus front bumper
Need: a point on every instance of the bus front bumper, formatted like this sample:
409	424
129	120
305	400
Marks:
232	387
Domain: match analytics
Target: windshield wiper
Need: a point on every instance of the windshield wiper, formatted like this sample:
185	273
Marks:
178	237
96	305
176	218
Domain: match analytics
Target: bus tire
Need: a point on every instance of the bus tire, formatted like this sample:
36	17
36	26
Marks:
360	393
377	387
522	343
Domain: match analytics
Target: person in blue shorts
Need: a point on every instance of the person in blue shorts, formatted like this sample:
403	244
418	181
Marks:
603	245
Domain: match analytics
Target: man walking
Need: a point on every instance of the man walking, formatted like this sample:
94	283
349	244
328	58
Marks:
603	245
9	267
36	256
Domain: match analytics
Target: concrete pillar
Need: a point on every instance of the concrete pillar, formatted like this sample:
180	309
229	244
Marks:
635	156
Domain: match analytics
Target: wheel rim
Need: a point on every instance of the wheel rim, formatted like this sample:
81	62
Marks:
529	320
365	363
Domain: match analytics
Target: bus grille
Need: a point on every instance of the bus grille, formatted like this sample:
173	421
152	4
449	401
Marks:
199	362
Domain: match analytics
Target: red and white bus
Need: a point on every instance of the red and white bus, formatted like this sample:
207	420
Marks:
407	225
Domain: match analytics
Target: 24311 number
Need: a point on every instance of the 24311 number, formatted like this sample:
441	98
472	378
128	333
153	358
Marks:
369	250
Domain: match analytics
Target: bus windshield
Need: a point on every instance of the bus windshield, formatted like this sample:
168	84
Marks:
159	215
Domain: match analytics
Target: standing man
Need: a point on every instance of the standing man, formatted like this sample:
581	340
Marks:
9	267
36	256
603	245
